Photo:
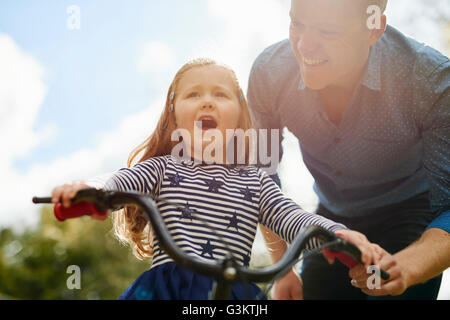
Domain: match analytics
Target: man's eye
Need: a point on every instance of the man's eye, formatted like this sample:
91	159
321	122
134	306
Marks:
296	24
328	33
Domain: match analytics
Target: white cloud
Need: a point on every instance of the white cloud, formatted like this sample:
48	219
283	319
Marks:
420	19
22	93
155	60
155	56
249	27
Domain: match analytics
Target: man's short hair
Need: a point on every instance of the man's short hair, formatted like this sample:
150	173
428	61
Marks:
380	3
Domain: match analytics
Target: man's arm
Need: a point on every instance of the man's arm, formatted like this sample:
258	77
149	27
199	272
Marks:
435	127
425	258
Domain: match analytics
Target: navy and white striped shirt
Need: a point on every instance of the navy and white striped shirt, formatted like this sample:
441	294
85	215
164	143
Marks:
232	200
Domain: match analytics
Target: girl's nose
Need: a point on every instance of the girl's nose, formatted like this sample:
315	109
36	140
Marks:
207	105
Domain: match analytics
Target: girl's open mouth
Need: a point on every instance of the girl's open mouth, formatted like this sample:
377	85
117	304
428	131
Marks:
206	123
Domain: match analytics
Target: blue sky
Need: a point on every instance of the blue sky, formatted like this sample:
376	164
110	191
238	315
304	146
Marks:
91	72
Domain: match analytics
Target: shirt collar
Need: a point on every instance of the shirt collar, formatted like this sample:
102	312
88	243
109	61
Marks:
372	76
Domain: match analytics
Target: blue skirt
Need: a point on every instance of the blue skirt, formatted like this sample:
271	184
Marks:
170	282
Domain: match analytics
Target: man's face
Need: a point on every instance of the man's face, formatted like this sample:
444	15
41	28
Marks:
330	40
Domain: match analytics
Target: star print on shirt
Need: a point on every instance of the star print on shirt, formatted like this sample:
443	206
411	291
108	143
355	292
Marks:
246	260
175	180
214	185
244	173
233	221
248	195
186	212
207	248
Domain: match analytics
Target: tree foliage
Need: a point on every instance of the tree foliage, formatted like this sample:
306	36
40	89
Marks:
33	264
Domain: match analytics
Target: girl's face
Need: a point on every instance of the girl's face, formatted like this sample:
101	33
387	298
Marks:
206	97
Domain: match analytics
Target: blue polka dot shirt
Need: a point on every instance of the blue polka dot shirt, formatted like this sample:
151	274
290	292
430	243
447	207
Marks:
394	138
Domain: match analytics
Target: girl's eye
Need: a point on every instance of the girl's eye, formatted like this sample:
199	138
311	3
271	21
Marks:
193	95
221	95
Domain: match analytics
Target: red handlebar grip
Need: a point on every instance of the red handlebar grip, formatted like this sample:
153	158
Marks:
344	258
76	210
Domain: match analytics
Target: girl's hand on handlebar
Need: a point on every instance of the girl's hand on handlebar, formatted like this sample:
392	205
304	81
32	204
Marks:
370	253
68	191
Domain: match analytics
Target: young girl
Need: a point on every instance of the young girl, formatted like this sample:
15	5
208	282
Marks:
232	199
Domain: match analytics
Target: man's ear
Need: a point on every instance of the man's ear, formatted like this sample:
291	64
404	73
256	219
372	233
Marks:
377	33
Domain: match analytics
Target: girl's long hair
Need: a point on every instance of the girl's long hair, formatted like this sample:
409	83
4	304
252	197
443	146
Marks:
130	224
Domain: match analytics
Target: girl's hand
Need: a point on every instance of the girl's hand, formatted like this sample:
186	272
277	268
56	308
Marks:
68	191
370	253
289	287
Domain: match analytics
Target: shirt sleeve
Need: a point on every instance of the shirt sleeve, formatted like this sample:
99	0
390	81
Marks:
262	107
143	177
283	216
436	140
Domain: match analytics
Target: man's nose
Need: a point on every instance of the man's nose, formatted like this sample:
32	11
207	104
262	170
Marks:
307	42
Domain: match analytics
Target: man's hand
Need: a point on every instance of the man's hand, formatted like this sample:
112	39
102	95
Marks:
395	285
418	263
289	287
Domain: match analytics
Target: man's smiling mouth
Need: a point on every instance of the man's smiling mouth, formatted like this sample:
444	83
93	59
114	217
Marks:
314	62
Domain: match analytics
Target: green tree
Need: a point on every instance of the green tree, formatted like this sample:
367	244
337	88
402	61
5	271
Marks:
33	264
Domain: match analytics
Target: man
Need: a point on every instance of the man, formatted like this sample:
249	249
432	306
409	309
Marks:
371	110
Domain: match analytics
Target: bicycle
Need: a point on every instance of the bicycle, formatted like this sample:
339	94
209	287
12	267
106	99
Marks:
224	272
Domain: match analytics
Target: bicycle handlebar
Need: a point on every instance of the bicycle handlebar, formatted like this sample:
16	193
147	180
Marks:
90	201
